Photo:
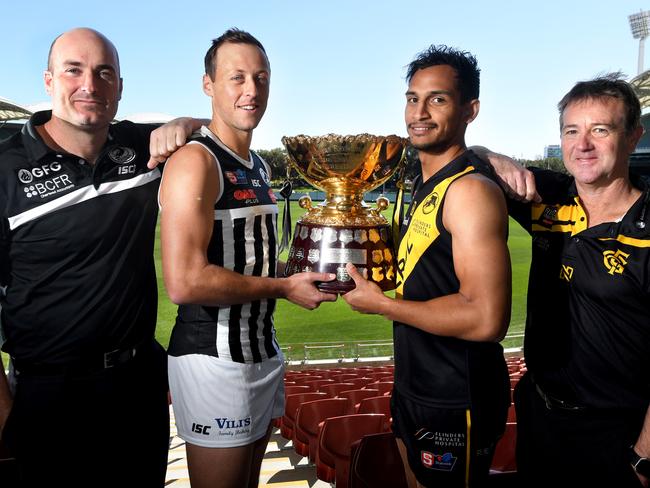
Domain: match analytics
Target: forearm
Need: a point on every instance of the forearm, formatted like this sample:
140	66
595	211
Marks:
213	285
453	315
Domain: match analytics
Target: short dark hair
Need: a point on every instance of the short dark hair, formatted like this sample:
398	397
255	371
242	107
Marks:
233	35
468	74
610	85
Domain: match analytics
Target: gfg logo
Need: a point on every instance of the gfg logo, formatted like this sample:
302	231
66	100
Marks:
26	176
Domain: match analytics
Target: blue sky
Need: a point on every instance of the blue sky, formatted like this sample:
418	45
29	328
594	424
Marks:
339	66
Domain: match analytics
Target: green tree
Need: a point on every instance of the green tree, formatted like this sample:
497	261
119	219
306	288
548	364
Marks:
277	159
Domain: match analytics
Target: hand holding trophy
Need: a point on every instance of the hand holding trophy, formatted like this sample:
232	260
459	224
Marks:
343	229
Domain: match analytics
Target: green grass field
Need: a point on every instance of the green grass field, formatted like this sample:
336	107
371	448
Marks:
335	323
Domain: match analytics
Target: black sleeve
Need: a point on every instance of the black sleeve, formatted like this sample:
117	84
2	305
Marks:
552	186
4	254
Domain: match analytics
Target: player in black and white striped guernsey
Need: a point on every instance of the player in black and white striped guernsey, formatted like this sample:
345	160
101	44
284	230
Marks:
219	243
244	212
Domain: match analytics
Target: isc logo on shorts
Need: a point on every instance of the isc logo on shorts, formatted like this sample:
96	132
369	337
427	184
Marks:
201	429
439	462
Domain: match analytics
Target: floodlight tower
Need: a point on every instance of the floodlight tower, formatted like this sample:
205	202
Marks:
640	30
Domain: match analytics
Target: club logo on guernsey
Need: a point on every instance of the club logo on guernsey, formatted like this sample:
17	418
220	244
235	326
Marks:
429	204
615	261
265	176
121	155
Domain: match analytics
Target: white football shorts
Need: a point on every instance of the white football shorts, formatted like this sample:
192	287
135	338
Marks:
221	403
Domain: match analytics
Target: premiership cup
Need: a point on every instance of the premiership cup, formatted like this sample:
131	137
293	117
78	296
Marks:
344	229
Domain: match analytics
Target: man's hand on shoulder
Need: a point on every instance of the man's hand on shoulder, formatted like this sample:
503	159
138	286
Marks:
516	181
167	138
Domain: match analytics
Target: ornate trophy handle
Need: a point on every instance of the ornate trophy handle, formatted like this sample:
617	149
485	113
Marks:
382	203
305	202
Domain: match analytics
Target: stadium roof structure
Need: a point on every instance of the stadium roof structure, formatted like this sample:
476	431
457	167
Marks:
641	84
12	111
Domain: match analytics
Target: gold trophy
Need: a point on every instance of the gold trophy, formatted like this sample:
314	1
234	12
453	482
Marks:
344	229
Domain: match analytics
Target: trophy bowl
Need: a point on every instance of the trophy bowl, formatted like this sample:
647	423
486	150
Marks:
344	229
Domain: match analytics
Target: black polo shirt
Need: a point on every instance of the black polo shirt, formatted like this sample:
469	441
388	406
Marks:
76	246
588	322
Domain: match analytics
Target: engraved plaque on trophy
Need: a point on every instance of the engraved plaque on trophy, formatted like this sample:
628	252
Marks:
344	229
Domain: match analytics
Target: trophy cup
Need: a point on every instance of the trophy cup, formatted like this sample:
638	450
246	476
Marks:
343	229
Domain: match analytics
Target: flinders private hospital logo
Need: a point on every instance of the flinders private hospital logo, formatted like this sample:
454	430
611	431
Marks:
44	180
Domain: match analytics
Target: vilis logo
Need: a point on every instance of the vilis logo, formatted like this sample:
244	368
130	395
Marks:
566	273
430	203
440	462
121	155
226	423
615	261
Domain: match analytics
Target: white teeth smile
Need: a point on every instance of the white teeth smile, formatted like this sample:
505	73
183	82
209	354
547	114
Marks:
248	107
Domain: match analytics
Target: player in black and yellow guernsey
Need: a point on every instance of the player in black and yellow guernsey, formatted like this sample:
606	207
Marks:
453	295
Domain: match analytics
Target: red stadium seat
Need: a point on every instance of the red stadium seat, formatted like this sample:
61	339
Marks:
333	389
504	453
341	378
356	396
309	415
512	415
358	382
380	375
375	461
377	404
293	389
292	402
335	441
316	384
383	386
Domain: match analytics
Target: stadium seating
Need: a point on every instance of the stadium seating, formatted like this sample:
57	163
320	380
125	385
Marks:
333	389
292	402
335	441
355	396
309	416
316	384
341	378
375	462
377	404
293	389
504	453
380	375
383	386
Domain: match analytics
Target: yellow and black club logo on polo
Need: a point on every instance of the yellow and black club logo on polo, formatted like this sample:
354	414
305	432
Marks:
615	261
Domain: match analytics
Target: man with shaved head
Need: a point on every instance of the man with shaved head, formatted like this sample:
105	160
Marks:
79	291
